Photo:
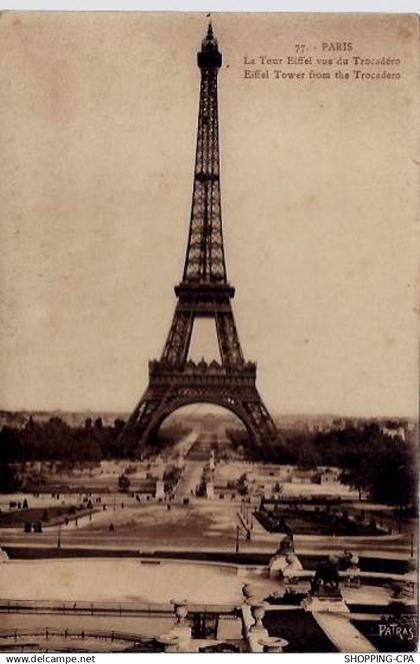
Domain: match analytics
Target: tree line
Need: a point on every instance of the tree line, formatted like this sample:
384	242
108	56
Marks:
382	467
54	440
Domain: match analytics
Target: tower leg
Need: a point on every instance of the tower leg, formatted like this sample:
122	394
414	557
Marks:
179	338
155	406
227	336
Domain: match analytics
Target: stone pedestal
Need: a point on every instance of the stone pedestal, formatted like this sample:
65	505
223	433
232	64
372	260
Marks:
258	608
160	489
183	634
253	611
3	556
255	640
170	642
181	630
325	604
180	463
210	490
353	579
257	632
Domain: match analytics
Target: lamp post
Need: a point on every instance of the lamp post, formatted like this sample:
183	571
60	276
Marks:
59	537
237	540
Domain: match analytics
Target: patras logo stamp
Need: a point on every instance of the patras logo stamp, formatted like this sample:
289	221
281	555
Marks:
403	632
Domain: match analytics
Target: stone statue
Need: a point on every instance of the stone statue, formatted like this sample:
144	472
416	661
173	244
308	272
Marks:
326	581
279	562
286	545
292	569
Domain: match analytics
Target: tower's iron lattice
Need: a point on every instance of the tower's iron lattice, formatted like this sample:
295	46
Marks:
203	292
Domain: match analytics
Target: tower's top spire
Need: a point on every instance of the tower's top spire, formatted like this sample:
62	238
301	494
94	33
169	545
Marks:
209	55
209	42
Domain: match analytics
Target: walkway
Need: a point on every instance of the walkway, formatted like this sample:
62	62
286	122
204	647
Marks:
190	478
342	633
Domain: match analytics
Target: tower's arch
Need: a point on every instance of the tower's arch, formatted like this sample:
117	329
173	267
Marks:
222	406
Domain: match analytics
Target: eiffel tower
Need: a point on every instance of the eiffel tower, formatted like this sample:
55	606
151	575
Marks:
205	292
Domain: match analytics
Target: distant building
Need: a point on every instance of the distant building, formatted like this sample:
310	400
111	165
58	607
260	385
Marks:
393	432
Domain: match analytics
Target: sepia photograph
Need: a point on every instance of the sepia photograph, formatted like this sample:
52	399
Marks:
209	346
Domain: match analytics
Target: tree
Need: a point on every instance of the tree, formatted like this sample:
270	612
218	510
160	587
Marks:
242	485
9	479
123	482
393	478
307	456
384	467
10	451
356	479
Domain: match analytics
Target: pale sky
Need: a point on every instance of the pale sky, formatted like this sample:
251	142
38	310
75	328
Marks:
319	197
